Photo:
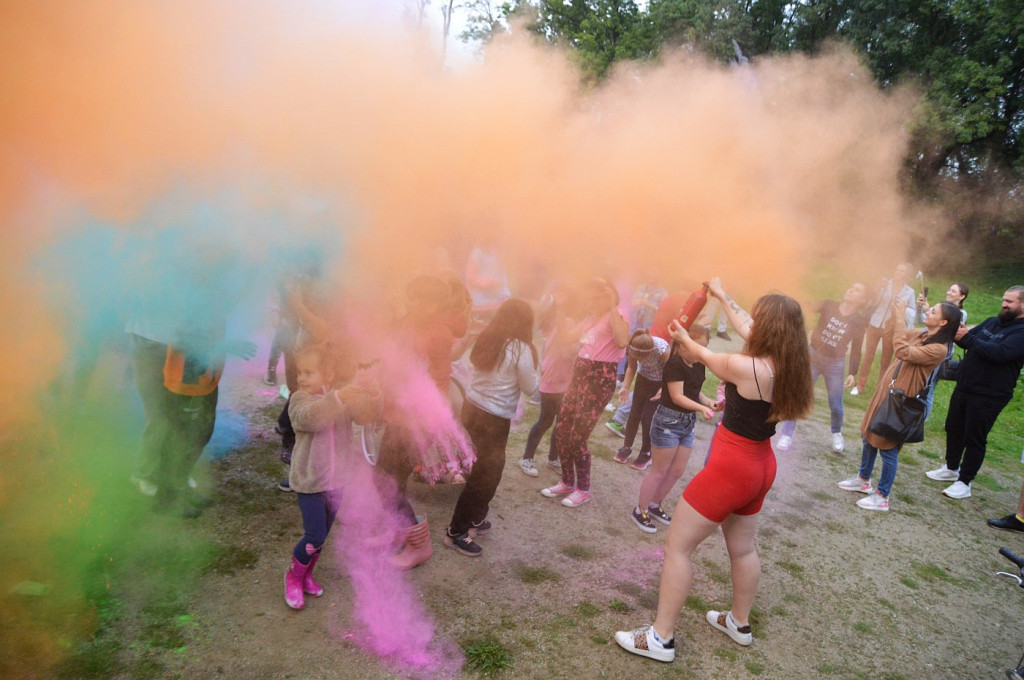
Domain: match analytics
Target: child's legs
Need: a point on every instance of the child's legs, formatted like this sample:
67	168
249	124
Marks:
599	385
867	460
556	407
661	464
643	390
645	424
565	437
890	461
489	434
318	513
549	404
675	471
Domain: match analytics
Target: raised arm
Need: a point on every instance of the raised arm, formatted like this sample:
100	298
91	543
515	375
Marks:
738	317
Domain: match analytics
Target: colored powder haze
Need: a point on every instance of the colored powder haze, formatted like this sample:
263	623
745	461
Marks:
181	155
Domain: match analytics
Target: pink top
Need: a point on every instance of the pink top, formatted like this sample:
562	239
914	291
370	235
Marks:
598	343
556	365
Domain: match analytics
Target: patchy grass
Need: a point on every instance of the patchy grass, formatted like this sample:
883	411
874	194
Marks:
534	575
791	567
587	610
932	573
487	656
619	607
578	552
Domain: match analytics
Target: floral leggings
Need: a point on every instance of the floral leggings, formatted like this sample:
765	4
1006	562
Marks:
591	387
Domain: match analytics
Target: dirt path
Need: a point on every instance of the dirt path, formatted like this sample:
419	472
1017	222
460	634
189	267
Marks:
845	593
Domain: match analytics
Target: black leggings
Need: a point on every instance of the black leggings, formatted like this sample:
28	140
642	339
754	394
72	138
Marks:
641	412
549	405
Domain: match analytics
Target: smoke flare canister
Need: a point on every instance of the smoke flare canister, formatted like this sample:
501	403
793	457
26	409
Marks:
692	307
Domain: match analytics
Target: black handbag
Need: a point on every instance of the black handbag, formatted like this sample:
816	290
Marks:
900	417
950	368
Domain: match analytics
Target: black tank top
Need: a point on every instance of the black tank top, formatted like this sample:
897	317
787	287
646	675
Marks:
747	417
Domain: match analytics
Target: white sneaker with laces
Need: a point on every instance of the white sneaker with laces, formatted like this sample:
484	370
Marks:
724	622
643	641
784	443
528	467
874	502
958	490
856	484
576	498
838	444
943	474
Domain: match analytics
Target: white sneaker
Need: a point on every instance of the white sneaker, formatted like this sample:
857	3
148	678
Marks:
856	484
643	642
724	622
147	488
874	502
943	474
958	490
854	392
838	444
784	443
528	467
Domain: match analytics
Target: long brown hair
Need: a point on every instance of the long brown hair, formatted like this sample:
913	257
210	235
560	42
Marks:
512	321
778	332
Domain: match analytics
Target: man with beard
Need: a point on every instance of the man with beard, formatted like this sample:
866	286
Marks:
988	373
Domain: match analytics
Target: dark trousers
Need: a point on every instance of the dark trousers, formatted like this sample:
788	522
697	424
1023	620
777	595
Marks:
177	427
489	434
969	420
319	510
549	405
392	472
641	412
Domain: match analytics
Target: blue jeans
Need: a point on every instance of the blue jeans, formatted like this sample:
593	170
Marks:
832	370
890	461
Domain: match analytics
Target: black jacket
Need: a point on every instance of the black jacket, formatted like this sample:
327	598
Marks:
993	360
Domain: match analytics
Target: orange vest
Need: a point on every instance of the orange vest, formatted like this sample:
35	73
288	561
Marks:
188	377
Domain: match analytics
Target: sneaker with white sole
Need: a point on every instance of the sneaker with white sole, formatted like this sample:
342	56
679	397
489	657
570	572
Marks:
958	490
560	489
856	484
576	498
642	462
528	467
855	391
622	455
838	443
724	622
555	465
461	543
616	429
643	521
784	443
874	501
644	641
146	487
657	513
943	474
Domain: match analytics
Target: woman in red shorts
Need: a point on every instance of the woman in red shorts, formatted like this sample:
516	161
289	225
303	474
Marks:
770	381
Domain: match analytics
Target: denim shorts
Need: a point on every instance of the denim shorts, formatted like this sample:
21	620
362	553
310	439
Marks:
671	428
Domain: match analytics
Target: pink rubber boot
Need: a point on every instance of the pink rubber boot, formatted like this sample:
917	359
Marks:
310	586
293	579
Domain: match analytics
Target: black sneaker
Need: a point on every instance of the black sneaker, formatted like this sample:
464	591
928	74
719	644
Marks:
643	520
1010	523
478	528
657	513
284	486
461	543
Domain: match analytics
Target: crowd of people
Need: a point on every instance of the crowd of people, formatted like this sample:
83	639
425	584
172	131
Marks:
476	345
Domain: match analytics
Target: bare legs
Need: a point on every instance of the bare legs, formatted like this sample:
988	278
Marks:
667	466
688	530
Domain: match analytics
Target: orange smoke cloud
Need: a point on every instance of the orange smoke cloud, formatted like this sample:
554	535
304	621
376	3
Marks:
681	170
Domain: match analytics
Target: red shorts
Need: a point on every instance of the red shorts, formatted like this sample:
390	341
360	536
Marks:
736	479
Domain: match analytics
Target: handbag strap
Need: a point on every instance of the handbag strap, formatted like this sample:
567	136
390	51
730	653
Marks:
927	385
